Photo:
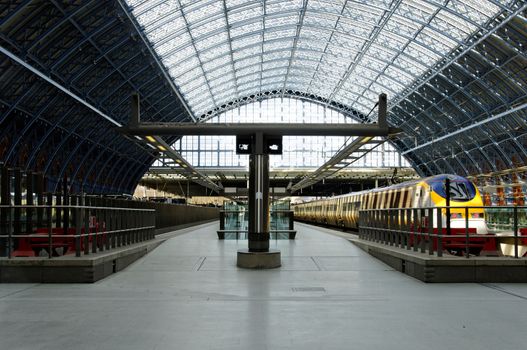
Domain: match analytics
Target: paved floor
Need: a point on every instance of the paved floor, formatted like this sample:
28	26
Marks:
188	294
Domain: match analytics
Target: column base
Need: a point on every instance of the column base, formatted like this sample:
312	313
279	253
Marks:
259	260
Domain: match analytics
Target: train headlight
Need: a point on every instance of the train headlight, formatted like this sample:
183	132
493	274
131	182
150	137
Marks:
456	216
477	215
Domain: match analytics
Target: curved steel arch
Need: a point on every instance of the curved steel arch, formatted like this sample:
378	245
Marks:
50	40
350	112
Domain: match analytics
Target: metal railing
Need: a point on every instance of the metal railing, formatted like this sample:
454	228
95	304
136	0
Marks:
430	230
55	230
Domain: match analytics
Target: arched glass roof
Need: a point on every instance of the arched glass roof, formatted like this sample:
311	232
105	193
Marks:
68	66
346	52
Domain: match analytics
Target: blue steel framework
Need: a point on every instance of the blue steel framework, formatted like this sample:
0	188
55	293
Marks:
464	113
92	50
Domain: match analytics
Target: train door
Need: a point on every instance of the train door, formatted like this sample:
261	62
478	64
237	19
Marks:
338	213
354	212
346	211
416	198
319	212
330	211
355	207
328	206
324	212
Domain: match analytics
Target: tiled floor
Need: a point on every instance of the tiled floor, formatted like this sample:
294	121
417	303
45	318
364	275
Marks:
189	294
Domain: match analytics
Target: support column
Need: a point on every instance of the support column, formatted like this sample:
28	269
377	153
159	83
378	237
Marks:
259	203
258	256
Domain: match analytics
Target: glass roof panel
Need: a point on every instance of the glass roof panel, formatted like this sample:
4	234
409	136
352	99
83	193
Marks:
345	51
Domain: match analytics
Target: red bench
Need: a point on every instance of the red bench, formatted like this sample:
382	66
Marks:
29	247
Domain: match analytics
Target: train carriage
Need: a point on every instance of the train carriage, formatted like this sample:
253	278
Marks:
343	211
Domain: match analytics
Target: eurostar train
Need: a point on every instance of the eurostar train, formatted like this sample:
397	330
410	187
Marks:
343	211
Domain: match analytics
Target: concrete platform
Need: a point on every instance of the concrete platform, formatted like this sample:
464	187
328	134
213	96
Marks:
448	268
85	269
70	269
328	294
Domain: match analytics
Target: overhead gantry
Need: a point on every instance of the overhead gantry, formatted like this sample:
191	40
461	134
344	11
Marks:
259	140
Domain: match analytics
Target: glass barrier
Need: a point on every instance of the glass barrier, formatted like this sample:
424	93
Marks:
236	220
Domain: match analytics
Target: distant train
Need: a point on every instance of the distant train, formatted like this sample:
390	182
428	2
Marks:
343	211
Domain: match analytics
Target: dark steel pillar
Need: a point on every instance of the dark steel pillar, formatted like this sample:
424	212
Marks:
259	203
447	202
258	196
17	225
5	199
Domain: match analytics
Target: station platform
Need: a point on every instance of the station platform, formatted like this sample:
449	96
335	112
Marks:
328	294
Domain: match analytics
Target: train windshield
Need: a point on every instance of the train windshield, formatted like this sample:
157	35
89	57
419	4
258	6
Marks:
460	188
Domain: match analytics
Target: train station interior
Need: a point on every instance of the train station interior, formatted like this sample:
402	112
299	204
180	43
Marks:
263	174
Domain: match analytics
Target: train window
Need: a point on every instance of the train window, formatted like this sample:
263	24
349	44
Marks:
459	191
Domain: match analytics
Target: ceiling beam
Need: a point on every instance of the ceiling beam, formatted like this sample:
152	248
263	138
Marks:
59	86
270	129
167	77
348	155
181	166
467	128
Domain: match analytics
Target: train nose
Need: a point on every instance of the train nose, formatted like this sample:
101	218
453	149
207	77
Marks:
479	224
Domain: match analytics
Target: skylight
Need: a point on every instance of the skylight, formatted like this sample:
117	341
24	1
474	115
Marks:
346	52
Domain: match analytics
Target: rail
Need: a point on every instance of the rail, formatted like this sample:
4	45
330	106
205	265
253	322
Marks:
57	230
432	230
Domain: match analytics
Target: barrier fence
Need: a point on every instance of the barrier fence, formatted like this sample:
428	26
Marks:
37	222
432	230
54	229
